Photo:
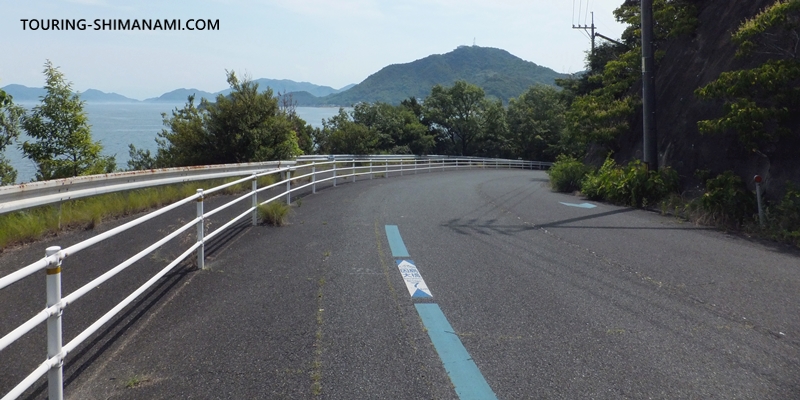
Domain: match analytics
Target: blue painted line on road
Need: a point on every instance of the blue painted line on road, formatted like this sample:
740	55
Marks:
396	242
582	205
464	373
462	370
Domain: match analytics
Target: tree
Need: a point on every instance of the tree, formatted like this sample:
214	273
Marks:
454	113
760	104
288	107
494	139
10	115
62	143
243	126
536	121
341	135
601	102
399	130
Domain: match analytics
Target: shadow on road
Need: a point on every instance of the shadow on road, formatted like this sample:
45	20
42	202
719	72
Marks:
485	227
561	223
92	351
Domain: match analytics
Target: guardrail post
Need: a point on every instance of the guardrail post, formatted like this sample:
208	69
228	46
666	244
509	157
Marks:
387	169
201	251
415	166
429	165
354	171
456	163
313	178
288	186
334	174
55	376
370	170
255	200
401	167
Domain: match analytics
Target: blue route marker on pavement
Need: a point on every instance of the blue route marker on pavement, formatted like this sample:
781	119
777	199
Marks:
464	373
582	205
462	370
414	283
396	242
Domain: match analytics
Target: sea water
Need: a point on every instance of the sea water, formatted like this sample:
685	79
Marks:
116	125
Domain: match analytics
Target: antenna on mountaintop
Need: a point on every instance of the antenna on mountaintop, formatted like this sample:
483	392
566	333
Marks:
473	41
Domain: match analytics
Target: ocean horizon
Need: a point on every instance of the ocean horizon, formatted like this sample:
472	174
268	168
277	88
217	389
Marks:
116	125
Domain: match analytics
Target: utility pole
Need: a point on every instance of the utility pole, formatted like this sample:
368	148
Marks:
589	28
650	142
592	31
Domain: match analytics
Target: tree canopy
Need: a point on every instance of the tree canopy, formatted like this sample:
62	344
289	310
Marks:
242	126
760	104
61	144
10	115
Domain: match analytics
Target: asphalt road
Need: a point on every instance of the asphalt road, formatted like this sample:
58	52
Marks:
551	301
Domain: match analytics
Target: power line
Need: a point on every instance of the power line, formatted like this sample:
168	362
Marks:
587	13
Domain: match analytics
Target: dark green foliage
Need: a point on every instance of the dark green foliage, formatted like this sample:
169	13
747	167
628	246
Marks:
399	129
760	104
10	115
455	114
602	103
343	136
500	74
243	126
726	201
784	218
567	174
773	32
536	122
630	185
495	140
457	120
288	108
62	143
140	159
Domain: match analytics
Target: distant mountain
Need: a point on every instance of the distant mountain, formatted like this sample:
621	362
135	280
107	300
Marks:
180	96
498	72
305	90
96	96
23	94
290	86
303	97
285	85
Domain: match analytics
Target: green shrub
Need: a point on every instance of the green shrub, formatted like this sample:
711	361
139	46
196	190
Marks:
784	218
273	213
726	201
630	185
567	173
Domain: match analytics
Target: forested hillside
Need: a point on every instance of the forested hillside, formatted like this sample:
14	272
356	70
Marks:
499	73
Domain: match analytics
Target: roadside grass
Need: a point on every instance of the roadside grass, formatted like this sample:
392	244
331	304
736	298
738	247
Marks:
136	380
30	225
273	213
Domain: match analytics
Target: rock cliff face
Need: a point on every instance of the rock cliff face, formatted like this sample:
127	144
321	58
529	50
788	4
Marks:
692	62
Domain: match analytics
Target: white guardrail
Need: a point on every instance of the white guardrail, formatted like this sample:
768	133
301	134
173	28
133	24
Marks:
55	256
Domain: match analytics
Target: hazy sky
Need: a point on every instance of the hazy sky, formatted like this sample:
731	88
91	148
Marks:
326	42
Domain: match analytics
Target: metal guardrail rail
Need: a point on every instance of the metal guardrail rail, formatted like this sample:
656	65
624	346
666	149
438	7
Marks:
338	167
34	194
